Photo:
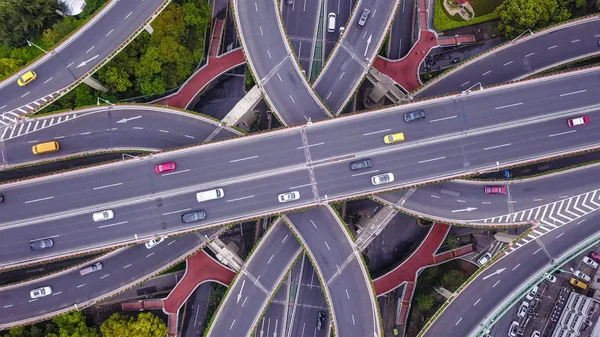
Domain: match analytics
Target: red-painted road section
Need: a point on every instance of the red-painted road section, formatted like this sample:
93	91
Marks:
214	67
423	256
200	268
406	70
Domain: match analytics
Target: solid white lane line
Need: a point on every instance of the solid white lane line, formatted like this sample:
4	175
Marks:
574	41
261	32
128	15
561	133
375	132
327	246
107	186
85	133
271	258
242	198
8	306
299	186
433	159
329	95
342	75
178	211
34	300
256	9
487	72
467	82
147	256
460	319
285	238
537	251
517	266
247	158
292	98
474	304
107	34
539	199
563	196
188	136
232	323
280	80
573	93
581	221
559	235
48	80
530	54
59	137
311	145
138	128
312	222
36	200
507	106
81	285
495	147
434	196
89	50
105	276
25	94
114	224
347	294
164	131
507	63
551	47
495	284
58	293
176	172
442	119
269	53
485	202
127	266
70	64
360	174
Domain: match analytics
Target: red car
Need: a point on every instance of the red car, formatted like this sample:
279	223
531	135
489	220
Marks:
165	167
595	256
583	120
495	190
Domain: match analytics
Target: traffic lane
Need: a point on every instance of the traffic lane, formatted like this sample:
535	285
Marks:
353	303
300	18
263	41
530	141
402	30
475	305
122	268
457	201
523	58
311	300
139	179
267	265
324	237
271	323
290	96
305	322
336	88
407	165
77	233
150	218
233	318
375	27
73	54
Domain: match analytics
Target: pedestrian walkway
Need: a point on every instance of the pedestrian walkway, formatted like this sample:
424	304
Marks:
215	66
200	268
406	70
406	273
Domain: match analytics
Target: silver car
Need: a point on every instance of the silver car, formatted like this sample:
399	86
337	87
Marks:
40	292
363	18
289	196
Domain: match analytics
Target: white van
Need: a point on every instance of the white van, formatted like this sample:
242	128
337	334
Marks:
217	193
331	22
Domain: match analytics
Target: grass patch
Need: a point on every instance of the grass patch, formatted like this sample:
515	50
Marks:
174	269
484	7
217	294
443	21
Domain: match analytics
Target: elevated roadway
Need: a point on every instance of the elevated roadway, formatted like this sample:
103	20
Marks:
523	57
316	165
341	270
76	58
256	283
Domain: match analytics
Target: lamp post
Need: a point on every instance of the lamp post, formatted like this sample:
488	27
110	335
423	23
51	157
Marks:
31	44
98	99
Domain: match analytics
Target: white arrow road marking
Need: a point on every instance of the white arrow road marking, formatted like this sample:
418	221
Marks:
494	273
85	62
468	209
239	296
125	120
368	43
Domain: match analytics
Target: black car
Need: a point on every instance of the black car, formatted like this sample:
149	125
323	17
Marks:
1	198
361	164
41	244
411	116
321	320
193	216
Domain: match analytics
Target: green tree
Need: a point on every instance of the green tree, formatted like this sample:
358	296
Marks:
21	20
145	325
9	66
60	30
197	14
516	16
72	325
424	303
453	279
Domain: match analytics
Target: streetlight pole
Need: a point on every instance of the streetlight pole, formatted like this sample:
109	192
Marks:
528	30
31	44
98	99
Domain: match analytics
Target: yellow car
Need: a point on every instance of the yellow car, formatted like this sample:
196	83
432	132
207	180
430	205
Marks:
393	138
26	78
578	283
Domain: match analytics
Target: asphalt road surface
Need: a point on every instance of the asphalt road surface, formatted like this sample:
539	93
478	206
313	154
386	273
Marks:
469	137
255	284
74	59
301	20
354	312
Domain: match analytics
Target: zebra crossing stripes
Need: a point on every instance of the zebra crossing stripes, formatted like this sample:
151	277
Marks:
23	128
7	118
496	247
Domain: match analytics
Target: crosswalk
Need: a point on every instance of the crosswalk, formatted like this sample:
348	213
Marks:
550	216
496	247
8	118
28	126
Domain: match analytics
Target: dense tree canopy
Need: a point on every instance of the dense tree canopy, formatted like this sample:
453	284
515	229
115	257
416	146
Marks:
145	325
22	20
516	16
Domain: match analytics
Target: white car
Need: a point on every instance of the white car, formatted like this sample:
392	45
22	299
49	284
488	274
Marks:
590	262
536	334
382	179
523	309
103	215
512	331
550	278
582	276
485	258
154	242
531	294
40	292
289	196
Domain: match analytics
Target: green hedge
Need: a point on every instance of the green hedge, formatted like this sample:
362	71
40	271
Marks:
441	20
